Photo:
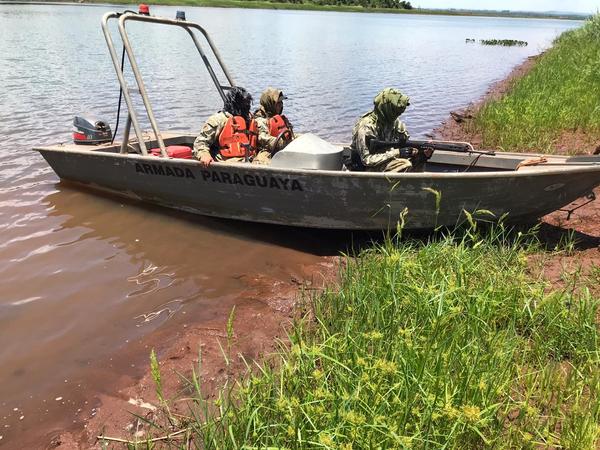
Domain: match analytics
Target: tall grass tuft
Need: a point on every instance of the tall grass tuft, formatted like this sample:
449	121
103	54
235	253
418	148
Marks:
560	93
444	344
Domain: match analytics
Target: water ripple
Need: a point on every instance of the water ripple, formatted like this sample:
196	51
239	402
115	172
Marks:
164	311
151	279
25	301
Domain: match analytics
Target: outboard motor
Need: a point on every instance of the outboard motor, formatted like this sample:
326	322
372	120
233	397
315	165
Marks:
91	131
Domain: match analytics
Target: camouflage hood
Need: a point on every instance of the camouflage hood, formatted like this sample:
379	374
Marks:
268	102
390	103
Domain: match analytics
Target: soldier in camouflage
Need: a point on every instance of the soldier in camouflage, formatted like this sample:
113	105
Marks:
383	124
237	102
271	105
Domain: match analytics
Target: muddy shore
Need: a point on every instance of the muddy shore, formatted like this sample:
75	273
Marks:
260	315
267	305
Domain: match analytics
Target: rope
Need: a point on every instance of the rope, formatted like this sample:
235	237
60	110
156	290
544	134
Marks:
590	198
120	98
532	162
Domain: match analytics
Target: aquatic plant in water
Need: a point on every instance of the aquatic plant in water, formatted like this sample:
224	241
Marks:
503	42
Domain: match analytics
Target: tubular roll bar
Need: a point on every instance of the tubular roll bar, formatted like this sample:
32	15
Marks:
132	118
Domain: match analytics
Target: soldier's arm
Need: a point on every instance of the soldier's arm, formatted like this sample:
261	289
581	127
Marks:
361	140
209	135
265	140
364	136
381	158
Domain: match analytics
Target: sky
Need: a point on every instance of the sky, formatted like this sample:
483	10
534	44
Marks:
581	6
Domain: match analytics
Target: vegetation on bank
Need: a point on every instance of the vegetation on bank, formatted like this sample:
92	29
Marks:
266	4
375	6
450	343
560	94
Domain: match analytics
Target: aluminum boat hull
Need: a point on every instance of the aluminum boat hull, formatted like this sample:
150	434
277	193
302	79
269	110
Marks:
328	199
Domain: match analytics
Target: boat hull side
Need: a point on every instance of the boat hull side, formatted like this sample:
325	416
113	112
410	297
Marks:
323	199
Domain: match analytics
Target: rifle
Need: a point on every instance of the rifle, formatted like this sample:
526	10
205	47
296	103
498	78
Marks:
377	146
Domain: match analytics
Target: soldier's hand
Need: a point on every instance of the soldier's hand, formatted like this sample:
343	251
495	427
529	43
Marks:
205	160
428	152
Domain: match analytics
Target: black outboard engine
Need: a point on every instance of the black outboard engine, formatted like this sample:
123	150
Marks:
91	131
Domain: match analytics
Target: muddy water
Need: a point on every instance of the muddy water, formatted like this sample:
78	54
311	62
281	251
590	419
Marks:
81	291
86	281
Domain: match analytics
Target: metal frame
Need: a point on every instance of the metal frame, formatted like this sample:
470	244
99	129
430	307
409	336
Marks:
132	118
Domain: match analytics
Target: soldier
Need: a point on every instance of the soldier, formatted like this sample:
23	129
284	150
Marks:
274	129
229	135
384	124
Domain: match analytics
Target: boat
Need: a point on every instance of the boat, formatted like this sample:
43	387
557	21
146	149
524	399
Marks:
307	183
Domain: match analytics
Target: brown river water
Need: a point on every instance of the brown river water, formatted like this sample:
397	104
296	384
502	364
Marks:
87	280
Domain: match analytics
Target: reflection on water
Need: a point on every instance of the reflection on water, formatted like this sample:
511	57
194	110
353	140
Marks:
83	275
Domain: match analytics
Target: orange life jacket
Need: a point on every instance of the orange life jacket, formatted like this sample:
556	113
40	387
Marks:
236	140
278	124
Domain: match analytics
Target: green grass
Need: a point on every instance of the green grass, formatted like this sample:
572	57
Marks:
560	94
443	344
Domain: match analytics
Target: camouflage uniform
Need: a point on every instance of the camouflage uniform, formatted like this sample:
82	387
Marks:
267	109
383	123
208	140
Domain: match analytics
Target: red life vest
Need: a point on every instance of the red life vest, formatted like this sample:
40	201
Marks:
236	140
278	124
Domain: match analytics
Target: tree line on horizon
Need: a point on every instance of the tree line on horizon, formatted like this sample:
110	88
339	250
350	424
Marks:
392	4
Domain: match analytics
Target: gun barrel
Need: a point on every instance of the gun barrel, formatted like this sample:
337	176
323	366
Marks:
461	147
441	145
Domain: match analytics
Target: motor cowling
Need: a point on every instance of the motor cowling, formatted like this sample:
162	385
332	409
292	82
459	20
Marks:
90	131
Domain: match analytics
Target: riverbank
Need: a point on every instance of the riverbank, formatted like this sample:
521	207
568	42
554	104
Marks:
457	339
544	105
308	6
471	124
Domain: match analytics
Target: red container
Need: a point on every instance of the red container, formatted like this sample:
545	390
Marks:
175	151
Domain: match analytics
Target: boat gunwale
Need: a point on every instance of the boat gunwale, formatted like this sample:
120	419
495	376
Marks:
542	171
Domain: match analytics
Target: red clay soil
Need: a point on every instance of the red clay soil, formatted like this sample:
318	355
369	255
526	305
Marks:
583	224
261	315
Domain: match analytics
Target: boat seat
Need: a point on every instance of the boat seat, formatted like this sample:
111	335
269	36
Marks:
174	151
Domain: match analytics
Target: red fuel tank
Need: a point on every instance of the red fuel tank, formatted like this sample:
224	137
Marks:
175	151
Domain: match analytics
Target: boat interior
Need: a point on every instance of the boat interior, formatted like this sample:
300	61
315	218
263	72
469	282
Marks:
309	152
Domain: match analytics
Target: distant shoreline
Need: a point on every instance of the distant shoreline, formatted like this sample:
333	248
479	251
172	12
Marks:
265	4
